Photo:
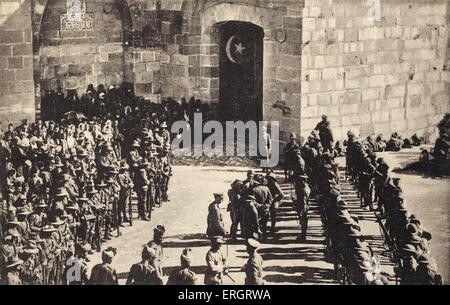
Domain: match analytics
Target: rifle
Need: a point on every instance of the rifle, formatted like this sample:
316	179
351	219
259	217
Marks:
130	208
116	216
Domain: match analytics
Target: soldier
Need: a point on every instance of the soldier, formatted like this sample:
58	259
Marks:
325	133
302	192
11	274
156	244
254	266
76	270
104	273
141	183
184	276
216	226
165	173
250	221
126	185
277	195
216	266
264	202
38	219
144	273
235	206
51	251
289	155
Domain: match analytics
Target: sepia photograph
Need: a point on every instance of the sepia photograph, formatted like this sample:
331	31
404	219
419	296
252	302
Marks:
224	143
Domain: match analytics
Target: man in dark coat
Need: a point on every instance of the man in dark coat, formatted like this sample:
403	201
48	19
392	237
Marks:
325	133
216	226
104	273
250	221
183	275
254	266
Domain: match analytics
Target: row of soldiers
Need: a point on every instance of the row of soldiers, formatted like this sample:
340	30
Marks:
65	185
149	270
403	232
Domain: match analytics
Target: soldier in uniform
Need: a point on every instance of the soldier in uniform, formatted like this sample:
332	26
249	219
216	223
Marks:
302	192
216	266
11	273
277	195
79	260
235	206
216	226
264	202
156	244
104	273
325	133
144	272
183	275
250	220
254	266
141	183
126	185
289	155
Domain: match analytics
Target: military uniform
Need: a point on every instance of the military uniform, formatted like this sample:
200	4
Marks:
215	262
216	225
183	276
253	270
103	274
143	273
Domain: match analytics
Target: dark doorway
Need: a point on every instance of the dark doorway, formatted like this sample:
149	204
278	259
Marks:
241	71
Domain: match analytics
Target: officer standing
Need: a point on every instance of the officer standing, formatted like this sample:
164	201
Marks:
216	226
184	276
215	262
254	266
302	192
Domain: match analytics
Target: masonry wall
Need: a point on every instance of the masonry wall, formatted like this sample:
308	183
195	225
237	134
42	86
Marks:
74	59
16	62
375	76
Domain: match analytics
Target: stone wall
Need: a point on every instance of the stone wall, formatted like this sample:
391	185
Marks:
374	76
16	62
74	59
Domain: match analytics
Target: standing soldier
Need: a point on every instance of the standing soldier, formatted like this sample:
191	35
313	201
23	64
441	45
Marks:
325	133
302	192
215	262
52	252
11	274
184	276
235	206
104	273
254	266
289	155
277	195
141	183
250	221
165	175
144	272
263	203
126	185
76	271
216	226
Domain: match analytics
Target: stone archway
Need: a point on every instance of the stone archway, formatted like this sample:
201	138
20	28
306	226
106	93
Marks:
281	92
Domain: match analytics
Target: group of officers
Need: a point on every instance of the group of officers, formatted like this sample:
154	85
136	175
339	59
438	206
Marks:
66	185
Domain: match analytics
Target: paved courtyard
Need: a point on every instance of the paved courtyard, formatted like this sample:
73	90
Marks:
286	261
